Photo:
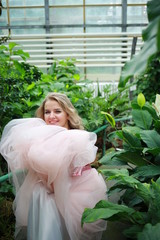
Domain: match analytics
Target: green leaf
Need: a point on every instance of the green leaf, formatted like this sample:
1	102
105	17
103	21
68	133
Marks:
148	107
122	175
31	86
111	211
154	206
19	67
144	191
153	9
153	151
109	118
133	143
158	37
147	171
138	63
109	160
22	54
151	31
131	157
133	231
142	118
134	130
112	172
12	45
151	138
150	232
3	47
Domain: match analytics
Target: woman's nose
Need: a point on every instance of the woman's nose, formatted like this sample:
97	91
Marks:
52	115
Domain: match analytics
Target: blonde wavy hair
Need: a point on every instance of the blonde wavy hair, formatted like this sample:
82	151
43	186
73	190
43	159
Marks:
75	122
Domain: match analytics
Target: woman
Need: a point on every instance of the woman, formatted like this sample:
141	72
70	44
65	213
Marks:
50	158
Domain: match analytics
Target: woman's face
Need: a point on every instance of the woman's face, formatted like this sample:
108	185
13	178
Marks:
55	115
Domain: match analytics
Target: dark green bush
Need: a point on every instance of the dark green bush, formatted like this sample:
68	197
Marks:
149	82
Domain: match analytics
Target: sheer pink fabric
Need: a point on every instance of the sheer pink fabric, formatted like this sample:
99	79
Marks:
58	160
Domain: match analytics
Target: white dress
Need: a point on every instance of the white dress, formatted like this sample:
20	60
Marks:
53	180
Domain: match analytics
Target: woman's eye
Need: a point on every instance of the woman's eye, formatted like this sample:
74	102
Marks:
58	111
46	112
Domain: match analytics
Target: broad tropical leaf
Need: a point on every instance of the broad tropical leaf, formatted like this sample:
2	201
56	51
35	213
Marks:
133	143
131	157
151	138
142	118
111	159
133	231
109	211
147	171
150	232
154	204
153	151
121	174
138	63
153	9
151	37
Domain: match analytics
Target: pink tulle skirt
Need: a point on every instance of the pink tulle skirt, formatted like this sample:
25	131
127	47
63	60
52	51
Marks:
53	180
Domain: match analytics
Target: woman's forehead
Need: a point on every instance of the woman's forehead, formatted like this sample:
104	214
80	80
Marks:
52	103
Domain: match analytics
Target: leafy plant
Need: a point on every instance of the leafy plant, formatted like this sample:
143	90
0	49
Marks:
151	46
139	181
13	75
149	79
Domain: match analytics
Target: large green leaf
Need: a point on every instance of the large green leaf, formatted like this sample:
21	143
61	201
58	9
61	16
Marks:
125	157
147	171
12	45
152	30
143	190
151	138
154	206
151	37
22	54
111	211
132	232
153	151
122	175
157	125
158	37
138	63
153	9
142	118
109	160
113	172
151	110
133	143
150	232
131	157
134	130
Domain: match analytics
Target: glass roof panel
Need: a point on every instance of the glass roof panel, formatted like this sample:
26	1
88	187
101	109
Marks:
25	3
65	2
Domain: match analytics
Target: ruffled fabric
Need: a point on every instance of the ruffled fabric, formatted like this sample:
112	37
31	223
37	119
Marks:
53	179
